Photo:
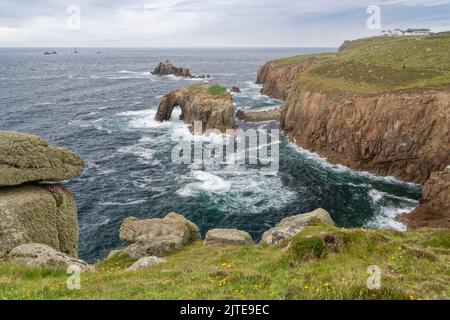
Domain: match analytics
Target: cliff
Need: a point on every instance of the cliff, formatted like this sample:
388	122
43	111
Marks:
209	104
405	135
357	108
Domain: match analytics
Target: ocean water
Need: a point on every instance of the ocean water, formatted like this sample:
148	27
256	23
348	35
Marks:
101	106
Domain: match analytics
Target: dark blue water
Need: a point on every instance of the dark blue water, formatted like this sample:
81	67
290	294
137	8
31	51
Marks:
102	105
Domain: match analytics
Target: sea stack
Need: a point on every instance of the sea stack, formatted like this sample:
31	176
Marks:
166	68
210	104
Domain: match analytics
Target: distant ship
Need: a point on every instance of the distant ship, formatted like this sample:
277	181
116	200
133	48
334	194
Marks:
75	50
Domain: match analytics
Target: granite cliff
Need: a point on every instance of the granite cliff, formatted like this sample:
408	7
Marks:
356	108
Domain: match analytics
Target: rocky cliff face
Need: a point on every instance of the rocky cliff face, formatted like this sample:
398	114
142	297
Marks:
405	135
434	208
205	103
32	209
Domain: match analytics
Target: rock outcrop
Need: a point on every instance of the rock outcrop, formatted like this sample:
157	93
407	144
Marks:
235	89
277	78
165	68
204	103
40	255
146	262
227	237
259	116
37	211
434	208
156	237
28	158
291	226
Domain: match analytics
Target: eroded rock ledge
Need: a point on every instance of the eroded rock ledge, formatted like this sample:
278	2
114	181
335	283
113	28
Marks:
259	116
208	103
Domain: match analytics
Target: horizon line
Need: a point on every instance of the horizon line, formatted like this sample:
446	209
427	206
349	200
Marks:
171	47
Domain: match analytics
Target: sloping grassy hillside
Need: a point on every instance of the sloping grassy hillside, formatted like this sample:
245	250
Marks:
382	64
322	263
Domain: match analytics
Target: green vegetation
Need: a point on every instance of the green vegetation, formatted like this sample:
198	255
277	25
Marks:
212	89
321	263
216	90
381	64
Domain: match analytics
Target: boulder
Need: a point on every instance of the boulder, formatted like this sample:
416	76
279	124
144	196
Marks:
227	237
155	237
200	103
28	158
146	262
41	255
165	68
291	226
434	208
44	214
157	246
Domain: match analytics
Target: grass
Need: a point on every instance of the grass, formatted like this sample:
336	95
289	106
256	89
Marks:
333	265
216	90
381	64
212	89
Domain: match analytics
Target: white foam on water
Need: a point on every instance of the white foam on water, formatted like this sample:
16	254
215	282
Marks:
205	182
140	150
385	219
126	203
385	213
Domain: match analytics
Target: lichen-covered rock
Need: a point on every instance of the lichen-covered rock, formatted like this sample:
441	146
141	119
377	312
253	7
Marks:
28	158
434	208
44	214
227	237
146	262
199	103
291	226
157	246
41	255
155	237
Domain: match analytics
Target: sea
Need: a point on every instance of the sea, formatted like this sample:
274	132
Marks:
101	102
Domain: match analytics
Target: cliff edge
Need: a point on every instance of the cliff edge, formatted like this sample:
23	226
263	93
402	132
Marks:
370	106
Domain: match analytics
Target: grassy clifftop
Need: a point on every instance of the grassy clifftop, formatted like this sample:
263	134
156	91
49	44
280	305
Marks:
322	263
381	64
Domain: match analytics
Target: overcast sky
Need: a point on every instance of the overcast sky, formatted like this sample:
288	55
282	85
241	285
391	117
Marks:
208	23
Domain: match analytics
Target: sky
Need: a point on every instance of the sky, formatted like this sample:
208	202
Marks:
209	23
